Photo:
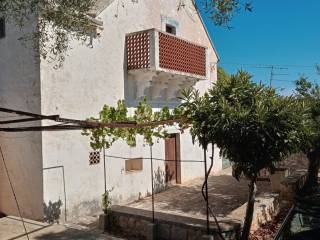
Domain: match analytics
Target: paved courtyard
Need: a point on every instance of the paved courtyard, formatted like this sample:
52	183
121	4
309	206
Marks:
11	228
226	195
227	198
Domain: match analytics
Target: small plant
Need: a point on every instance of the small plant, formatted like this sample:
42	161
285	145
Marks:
106	201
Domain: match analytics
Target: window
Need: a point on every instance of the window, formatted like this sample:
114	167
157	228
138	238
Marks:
169	25
2	28
134	164
94	158
171	29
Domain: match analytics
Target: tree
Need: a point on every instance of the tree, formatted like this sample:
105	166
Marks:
254	127
222	74
308	96
58	22
221	12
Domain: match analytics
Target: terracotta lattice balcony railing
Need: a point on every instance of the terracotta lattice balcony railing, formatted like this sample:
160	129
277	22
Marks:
164	62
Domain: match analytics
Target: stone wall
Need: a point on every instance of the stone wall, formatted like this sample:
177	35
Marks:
136	223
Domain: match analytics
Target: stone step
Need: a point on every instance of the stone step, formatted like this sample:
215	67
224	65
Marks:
136	223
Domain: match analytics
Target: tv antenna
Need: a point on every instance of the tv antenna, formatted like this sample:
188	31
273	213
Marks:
273	68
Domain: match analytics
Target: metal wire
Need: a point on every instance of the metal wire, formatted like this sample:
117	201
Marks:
152	184
205	194
13	191
77	124
157	159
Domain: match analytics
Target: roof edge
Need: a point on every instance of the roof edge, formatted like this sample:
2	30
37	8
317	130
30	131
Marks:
99	7
206	29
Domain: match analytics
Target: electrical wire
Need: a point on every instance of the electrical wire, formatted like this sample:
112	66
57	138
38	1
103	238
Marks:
259	65
157	159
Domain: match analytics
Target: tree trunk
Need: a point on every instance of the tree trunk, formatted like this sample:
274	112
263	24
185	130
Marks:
250	209
311	184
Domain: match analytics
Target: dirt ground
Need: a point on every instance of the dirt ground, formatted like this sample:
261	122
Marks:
269	230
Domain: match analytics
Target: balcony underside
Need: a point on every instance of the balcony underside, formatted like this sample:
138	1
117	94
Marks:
160	86
161	65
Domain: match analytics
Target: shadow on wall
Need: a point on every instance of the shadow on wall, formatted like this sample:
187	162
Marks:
159	180
52	211
160	185
87	208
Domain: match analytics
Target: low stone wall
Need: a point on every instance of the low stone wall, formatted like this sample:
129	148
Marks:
137	223
266	207
292	183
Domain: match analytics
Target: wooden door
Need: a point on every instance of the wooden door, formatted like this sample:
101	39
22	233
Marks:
172	159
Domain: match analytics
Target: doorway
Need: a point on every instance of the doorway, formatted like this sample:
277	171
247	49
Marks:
172	159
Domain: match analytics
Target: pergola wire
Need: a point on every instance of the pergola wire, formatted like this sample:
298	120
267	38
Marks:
156	159
71	124
74	124
14	193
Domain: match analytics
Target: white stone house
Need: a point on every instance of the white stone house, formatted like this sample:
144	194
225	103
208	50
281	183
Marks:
151	48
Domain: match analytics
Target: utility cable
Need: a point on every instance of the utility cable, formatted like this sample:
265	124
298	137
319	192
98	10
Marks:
157	159
14	193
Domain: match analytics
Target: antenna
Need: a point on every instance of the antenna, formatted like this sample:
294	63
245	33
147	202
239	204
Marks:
272	72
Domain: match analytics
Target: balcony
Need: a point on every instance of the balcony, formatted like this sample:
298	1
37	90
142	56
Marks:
160	64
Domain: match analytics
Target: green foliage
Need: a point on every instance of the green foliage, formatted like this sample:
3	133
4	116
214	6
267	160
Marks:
105	137
106	201
222	74
60	21
253	126
222	11
308	98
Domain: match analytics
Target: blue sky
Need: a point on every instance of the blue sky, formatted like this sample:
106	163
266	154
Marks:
278	32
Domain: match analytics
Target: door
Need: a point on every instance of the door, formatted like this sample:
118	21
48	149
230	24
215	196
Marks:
172	159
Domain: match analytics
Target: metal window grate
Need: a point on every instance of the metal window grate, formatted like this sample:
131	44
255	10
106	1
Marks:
94	158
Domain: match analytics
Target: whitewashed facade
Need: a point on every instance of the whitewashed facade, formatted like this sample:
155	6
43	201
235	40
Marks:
54	166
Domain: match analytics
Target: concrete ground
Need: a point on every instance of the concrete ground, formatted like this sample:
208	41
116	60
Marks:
226	195
227	199
11	228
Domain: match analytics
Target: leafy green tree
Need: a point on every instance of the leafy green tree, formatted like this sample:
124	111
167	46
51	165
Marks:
221	12
57	23
253	126
308	96
222	74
